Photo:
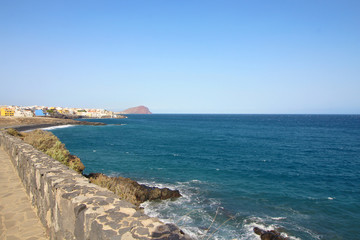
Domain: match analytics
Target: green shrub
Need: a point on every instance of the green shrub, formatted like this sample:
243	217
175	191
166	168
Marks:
51	145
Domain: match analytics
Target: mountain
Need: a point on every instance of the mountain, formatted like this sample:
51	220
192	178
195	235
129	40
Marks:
137	110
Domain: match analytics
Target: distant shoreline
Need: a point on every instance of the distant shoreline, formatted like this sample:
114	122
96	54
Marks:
25	124
36	126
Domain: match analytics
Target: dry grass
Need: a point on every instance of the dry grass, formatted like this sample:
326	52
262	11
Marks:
125	188
14	133
51	145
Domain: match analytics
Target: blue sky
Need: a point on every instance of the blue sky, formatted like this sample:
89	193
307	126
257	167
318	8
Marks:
290	56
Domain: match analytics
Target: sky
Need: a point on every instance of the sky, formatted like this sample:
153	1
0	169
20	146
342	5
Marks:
221	56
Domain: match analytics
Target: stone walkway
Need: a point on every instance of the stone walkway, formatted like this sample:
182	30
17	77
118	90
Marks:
18	220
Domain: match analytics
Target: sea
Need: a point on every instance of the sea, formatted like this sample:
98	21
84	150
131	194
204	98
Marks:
297	174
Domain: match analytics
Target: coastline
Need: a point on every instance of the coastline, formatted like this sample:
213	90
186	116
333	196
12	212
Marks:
148	190
40	126
70	207
126	188
156	216
26	124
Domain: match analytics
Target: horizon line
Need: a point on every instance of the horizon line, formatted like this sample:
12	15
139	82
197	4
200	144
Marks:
247	114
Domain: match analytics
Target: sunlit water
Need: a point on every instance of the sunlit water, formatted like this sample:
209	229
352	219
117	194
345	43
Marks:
299	174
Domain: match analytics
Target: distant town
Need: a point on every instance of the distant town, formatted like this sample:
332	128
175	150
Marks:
58	112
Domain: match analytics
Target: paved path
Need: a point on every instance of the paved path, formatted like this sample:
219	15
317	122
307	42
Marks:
18	220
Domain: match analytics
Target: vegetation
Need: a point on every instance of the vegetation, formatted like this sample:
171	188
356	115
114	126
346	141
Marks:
51	145
125	188
14	133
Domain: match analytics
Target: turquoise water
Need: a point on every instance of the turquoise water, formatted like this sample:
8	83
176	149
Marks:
299	174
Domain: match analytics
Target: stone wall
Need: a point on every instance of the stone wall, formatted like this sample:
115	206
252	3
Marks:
72	208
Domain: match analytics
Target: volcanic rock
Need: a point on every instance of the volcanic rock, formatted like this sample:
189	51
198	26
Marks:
268	235
131	190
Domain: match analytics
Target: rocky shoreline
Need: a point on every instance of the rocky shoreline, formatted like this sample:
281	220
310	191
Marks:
25	124
126	188
132	191
37	126
70	207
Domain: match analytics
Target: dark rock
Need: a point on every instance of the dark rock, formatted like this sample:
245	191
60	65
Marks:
89	123
117	216
96	231
141	231
132	191
71	195
110	234
79	221
268	235
169	232
136	224
156	234
124	230
114	225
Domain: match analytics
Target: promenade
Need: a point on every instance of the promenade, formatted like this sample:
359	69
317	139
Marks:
18	220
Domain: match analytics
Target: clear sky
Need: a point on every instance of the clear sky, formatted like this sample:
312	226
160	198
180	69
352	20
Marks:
182	56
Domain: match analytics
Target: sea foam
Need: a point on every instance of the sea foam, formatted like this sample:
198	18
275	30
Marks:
56	127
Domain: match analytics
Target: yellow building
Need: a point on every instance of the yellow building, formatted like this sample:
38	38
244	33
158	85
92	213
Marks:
8	112
63	111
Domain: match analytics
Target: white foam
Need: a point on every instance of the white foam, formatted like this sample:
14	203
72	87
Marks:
190	212
195	181
57	127
194	215
302	229
278	218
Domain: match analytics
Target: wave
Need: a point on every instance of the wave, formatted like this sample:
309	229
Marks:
51	128
198	217
56	127
278	218
190	212
194	215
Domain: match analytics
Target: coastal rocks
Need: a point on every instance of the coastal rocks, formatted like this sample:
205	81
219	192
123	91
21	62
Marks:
268	235
132	191
88	123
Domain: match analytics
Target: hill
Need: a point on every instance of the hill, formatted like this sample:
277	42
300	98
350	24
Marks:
137	110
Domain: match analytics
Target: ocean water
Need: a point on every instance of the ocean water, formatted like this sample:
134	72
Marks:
299	174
